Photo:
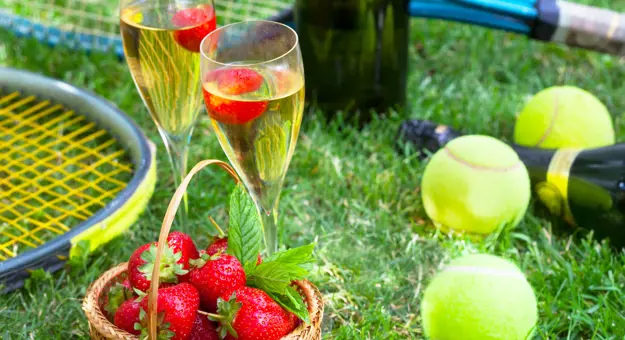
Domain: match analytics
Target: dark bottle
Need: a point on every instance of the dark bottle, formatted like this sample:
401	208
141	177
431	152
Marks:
355	53
585	188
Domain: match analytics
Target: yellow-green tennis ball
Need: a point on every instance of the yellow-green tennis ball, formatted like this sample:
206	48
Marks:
479	297
564	116
475	185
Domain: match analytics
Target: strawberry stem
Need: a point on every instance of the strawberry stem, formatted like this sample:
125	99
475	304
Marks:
219	230
200	261
216	317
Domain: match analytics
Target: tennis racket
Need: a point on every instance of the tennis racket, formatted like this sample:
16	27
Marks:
74	173
93	25
556	21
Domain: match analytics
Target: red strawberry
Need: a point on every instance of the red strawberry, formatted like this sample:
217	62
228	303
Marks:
221	245
237	81
195	24
203	329
230	111
234	81
137	277
214	275
126	283
117	294
250	314
176	307
174	261
127	316
181	242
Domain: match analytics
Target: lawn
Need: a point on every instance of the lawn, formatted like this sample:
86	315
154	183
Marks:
349	191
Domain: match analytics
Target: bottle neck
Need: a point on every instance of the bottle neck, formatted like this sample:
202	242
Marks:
612	156
536	161
534	157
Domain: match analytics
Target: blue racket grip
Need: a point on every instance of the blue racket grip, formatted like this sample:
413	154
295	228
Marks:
518	9
450	11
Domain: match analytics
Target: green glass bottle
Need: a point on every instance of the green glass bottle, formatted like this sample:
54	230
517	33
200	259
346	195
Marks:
583	187
355	54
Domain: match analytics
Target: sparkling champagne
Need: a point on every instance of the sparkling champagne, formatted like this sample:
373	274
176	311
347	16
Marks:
583	187
256	113
161	44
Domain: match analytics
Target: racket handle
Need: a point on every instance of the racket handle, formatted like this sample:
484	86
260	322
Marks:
581	26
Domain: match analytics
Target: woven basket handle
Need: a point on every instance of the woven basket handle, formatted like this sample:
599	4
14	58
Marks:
170	214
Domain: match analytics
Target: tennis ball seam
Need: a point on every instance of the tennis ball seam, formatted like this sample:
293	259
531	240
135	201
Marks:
486	271
552	122
465	162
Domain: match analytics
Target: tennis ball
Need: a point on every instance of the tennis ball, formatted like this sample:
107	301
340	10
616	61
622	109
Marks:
475	185
564	116
479	297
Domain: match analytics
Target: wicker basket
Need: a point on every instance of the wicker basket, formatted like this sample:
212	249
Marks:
101	328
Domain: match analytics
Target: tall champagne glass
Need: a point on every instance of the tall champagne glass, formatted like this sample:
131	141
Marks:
161	41
253	82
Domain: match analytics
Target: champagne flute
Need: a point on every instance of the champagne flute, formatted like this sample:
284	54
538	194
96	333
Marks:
253	84
161	40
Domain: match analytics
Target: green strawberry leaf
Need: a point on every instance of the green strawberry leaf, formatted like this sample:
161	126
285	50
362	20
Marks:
169	266
116	296
140	295
293	302
276	273
201	261
245	233
162	329
226	312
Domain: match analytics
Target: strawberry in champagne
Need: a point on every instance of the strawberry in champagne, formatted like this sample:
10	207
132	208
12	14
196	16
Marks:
233	81
253	86
200	19
161	44
162	50
256	113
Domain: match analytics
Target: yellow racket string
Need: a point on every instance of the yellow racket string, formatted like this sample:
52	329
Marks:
56	169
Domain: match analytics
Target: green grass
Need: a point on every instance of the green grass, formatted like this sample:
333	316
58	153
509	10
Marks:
350	192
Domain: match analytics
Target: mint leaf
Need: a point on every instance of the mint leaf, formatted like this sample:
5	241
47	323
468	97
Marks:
249	267
293	302
245	233
301	256
275	277
277	272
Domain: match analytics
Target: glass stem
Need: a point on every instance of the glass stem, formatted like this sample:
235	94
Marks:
270	230
178	151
